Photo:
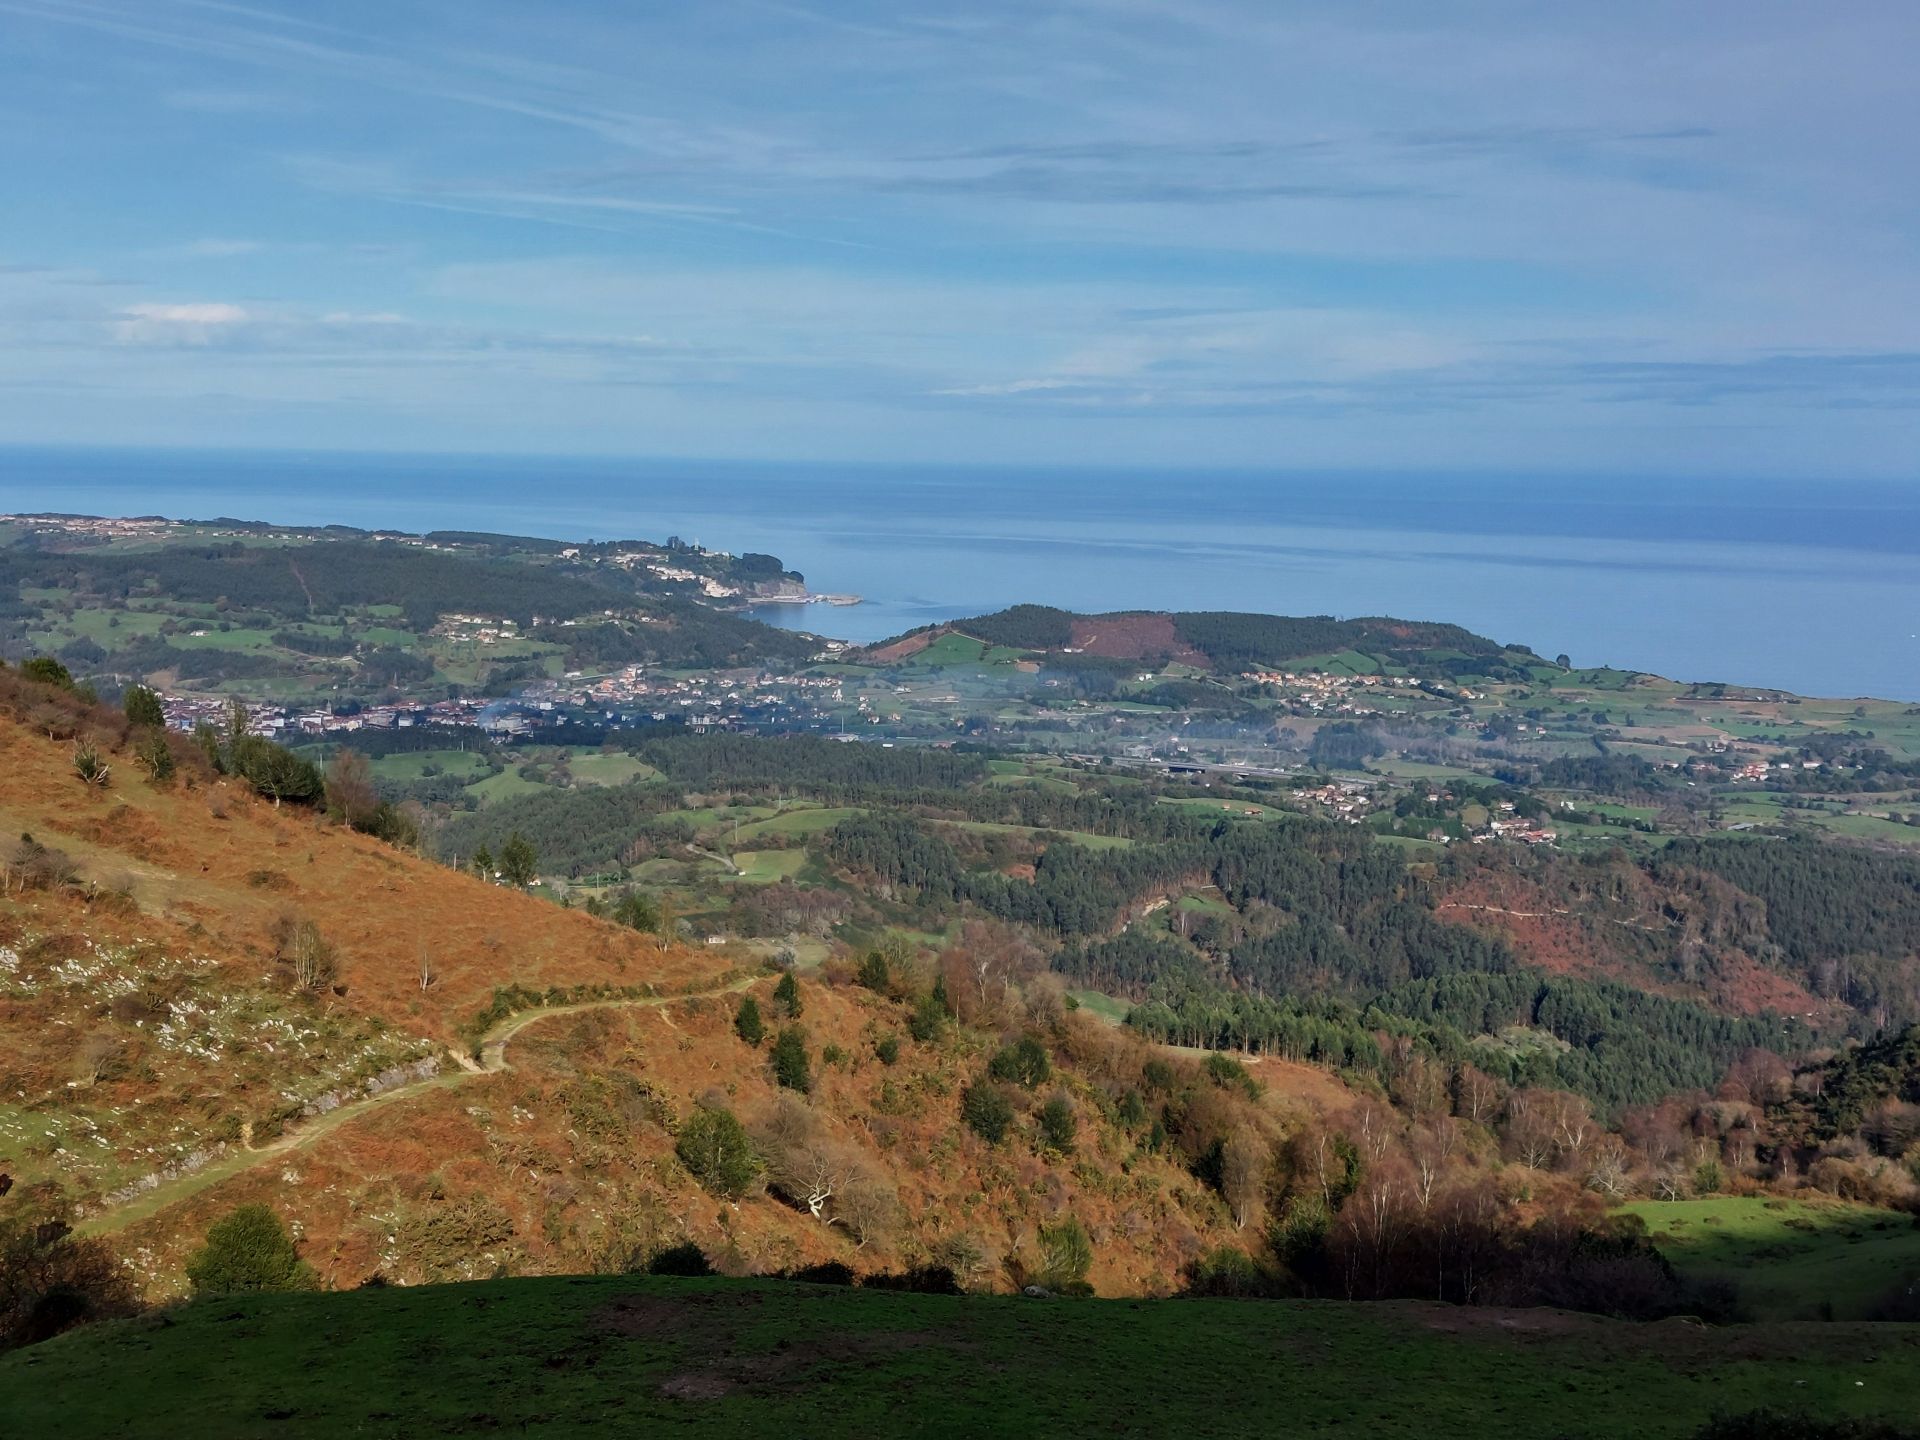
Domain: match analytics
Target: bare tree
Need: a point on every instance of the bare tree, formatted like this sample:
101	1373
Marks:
1609	1172
804	1163
1243	1170
1530	1129
1476	1095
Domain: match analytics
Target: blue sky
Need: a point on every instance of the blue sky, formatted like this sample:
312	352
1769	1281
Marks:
1631	237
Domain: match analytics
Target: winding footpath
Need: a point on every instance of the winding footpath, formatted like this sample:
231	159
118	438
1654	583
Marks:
493	1060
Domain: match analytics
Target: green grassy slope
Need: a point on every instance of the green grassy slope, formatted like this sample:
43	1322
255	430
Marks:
559	1357
1788	1259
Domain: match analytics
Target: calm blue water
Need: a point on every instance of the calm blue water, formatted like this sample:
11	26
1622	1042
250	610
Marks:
1812	587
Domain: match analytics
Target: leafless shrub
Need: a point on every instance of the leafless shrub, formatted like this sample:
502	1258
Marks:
102	1056
307	954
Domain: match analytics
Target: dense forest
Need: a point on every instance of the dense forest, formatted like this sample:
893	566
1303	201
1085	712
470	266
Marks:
1235	640
1327	939
291	583
1845	917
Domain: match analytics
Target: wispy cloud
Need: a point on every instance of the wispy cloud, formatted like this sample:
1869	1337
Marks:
198	323
1242	228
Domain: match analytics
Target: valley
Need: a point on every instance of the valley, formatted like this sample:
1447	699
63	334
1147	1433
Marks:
1362	983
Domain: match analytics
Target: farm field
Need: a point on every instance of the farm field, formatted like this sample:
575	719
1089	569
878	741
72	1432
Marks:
798	821
1790	1260
597	767
1079	837
565	1356
763	867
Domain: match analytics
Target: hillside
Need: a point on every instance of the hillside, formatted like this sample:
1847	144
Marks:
161	1065
481	1082
1206	639
717	1358
331	614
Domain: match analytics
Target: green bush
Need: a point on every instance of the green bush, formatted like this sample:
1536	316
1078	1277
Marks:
1025	1062
929	1018
250	1250
47	670
1230	1074
888	1049
714	1147
686	1258
1229	1273
1057	1125
152	754
987	1111
1066	1255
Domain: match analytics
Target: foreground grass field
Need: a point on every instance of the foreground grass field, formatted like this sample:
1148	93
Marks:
555	1357
1790	1260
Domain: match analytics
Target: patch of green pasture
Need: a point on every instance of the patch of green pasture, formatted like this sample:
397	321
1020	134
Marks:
1789	1259
763	867
565	1355
799	822
214	638
1103	1007
387	635
609	767
412	764
507	785
1078	837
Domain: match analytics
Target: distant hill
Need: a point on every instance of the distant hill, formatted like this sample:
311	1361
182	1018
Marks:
1223	640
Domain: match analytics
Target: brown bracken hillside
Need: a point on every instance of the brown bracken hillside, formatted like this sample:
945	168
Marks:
160	1064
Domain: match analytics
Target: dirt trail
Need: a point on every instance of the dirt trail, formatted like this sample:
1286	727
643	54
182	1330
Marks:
493	1060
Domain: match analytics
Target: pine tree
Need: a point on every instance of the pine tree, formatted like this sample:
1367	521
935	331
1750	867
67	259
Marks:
1057	1125
713	1145
746	1021
787	993
143	707
874	973
519	861
791	1066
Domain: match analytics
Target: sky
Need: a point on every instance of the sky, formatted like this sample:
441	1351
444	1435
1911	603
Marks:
1619	238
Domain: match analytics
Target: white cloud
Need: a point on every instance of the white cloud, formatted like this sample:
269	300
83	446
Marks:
1011	387
193	324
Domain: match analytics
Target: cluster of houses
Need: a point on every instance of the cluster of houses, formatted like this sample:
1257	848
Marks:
185	712
1516	827
1317	693
712	700
1760	769
1347	799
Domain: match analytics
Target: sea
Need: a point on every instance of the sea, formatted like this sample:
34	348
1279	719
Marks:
1809	586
